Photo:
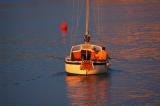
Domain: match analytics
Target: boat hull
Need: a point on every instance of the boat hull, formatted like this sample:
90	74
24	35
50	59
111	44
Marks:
74	68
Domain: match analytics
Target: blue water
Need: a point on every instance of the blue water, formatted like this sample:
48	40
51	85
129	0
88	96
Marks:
31	37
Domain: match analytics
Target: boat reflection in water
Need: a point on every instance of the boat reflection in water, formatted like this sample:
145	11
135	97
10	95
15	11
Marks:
88	90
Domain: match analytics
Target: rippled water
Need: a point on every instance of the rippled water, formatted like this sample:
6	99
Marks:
30	38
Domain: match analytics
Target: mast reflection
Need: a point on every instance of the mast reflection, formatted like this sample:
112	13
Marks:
87	90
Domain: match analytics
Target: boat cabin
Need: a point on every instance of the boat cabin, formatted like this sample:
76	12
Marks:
84	52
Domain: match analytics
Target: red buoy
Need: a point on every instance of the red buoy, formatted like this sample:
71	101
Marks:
64	27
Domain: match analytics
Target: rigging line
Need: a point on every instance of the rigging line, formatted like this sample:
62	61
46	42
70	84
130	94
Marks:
101	19
98	28
75	20
72	23
93	21
71	33
78	14
96	20
57	57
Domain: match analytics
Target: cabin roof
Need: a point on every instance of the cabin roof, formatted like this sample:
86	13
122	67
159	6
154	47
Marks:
86	47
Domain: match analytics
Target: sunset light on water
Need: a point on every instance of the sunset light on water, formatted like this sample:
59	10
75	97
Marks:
34	41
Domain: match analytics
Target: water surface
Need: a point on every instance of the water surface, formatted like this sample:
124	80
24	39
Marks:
30	38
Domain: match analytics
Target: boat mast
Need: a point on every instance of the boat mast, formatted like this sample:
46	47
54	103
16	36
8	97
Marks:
87	36
87	16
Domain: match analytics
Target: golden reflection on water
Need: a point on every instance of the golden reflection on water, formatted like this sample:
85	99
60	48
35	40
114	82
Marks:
133	35
87	90
133	41
124	1
139	41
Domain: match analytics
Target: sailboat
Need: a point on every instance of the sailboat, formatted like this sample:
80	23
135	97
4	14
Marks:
82	59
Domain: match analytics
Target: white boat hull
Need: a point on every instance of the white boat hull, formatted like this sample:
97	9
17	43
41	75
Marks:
74	68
